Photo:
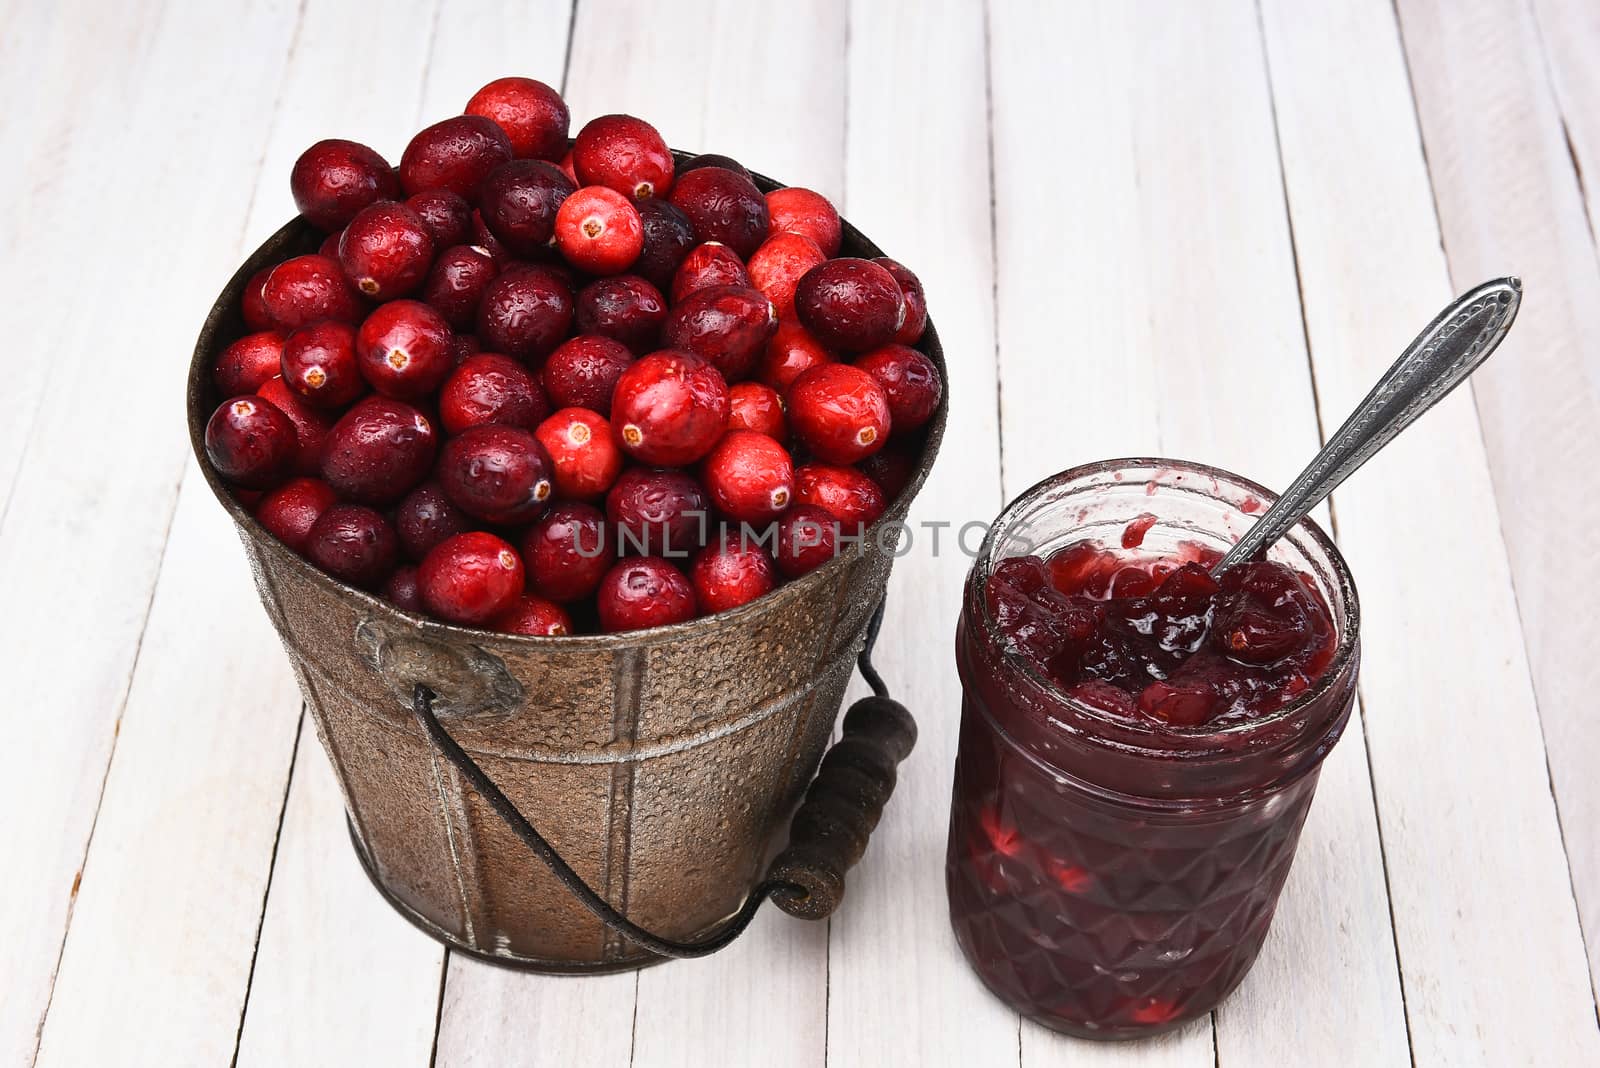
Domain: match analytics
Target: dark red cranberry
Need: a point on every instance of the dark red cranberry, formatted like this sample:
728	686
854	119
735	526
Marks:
405	349
457	282
319	363
626	308
483	239
307	289
644	591
910	381
425	517
311	425
501	474
843	492
807	213
525	313
726	325
839	412
724	206
707	265
779	264
658	511
598	231
568	552
250	442
749	477
333	180
583	372
456	154
462	346
402	590
470	578
447	216
533	616
378	450
330	245
354	544
669	408
519	202
624	154
244	365
1268	615
290	511
583	450
251	307
668	237
386	250
490	388
713	159
758	407
731	572
532	114
850	304
567	169
891	468
916	300
792	352
808	537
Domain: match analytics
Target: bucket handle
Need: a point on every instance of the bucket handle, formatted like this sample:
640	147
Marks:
827	835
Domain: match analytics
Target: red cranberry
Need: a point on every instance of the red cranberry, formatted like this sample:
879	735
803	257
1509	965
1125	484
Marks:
670	408
333	180
808	537
487	242
910	381
758	407
405	349
457	282
533	616
843	492
732	572
583	372
251	307
501	474
378	450
425	517
456	154
566	167
306	289
916	300
567	552
839	412
713	159
290	511
470	578
519	202
490	388
791	353
386	250
598	231
623	154
525	312
891	468
462	346
779	264
354	544
658	511
707	265
250	442
244	365
311	425
726	325
724	206
532	114
319	363
583	450
749	477
807	213
668	237
330	245
626	308
644	591
447	216
402	590
850	304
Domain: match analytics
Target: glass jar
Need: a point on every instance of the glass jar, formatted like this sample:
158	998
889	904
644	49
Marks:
1111	878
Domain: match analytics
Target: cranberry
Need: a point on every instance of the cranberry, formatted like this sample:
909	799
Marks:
354	544
405	349
644	591
457	282
583	450
658	511
623	154
749	476
916	300
707	265
791	353
244	365
532	114
311	425
583	372
891	468
470	578
566	167
808	537
333	180
1268	616
290	511
713	159
462	346
567	552
779	264
447	216
402	590
456	154
319	363
843	492
758	407
501	474
731	572
850	304
839	412
489	388
307	289
668	237
533	616
425	517
807	213
525	313
910	381
519	202
724	206
330	245
378	450
726	325
482	239
625	308
386	250
251	307
598	231
670	408
250	442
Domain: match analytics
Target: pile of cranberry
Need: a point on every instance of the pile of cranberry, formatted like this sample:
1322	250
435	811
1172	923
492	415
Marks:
542	389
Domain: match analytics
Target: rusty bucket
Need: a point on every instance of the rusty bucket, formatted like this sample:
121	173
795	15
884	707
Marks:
660	764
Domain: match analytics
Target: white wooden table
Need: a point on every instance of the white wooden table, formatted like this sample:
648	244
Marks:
1191	228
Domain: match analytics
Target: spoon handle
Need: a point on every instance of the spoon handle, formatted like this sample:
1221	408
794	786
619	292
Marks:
1451	347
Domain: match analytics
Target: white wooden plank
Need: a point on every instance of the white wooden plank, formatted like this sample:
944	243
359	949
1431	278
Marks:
1508	200
498	1019
1569	31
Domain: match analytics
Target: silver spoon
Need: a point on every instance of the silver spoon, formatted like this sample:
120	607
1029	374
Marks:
1451	347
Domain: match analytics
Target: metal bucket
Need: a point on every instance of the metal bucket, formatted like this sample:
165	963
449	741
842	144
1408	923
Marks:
659	763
